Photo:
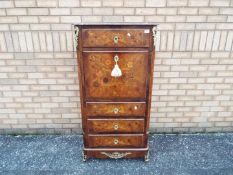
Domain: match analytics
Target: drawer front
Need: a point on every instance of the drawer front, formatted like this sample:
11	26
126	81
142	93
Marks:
115	125
116	141
115	109
99	84
116	37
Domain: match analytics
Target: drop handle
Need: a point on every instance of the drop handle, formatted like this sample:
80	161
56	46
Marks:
116	71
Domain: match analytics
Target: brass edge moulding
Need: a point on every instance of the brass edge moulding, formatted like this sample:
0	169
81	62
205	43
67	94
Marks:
116	155
112	149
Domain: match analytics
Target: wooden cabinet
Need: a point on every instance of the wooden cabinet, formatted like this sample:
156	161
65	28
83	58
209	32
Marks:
115	64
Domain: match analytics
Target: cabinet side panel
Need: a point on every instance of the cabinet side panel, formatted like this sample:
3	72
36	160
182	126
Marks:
81	77
150	83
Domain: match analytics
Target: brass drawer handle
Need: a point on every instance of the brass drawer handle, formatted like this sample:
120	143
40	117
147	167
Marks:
115	39
116	110
135	107
115	141
115	126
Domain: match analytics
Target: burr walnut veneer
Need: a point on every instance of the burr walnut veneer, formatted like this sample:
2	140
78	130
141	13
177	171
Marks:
115	73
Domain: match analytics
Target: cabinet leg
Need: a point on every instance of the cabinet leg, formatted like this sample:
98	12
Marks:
146	157
84	157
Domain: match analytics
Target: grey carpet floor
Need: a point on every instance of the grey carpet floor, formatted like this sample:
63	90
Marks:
196	154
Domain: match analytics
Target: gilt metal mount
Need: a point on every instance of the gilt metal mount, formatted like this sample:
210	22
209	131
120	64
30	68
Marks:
154	31
76	33
116	155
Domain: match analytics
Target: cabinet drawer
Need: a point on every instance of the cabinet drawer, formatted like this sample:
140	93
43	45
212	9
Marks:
99	84
115	125
115	109
116	141
116	37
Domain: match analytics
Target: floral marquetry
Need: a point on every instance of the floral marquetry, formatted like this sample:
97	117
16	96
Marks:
101	84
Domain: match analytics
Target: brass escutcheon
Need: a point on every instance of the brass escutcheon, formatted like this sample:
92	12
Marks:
115	126
115	39
115	110
115	141
116	58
